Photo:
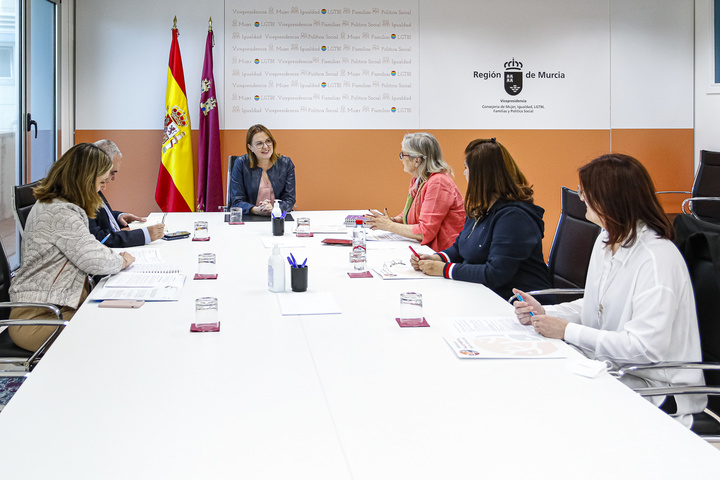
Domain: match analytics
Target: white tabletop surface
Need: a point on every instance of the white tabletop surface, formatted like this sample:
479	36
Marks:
132	394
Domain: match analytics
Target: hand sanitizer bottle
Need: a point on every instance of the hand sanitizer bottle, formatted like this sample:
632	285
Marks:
276	271
278	221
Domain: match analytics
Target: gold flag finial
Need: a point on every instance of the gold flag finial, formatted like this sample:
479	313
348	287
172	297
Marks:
175	23
210	25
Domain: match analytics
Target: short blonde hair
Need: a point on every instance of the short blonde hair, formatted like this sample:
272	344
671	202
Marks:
73	178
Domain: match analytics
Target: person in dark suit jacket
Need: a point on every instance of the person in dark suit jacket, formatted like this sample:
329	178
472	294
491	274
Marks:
115	223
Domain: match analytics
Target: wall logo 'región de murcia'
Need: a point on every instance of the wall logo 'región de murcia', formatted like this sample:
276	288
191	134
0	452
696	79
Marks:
512	77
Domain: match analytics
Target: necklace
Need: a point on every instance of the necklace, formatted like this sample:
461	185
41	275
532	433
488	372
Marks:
475	225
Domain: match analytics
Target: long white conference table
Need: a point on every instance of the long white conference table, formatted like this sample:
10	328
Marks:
132	394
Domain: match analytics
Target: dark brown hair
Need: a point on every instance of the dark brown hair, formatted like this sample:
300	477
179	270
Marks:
73	178
492	175
622	193
252	131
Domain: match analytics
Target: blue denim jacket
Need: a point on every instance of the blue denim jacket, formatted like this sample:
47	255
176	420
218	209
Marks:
245	182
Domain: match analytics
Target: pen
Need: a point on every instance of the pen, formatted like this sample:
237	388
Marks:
106	237
414	252
291	262
303	264
521	299
294	262
163	220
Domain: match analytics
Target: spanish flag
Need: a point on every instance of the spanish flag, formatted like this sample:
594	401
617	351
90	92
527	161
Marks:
175	191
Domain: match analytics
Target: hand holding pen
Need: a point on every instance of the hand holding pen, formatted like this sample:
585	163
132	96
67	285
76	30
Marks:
526	307
417	260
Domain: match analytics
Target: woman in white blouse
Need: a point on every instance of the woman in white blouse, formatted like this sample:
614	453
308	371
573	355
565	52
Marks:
638	306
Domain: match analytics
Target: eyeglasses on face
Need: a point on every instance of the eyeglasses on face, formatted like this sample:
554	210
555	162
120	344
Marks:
267	142
409	155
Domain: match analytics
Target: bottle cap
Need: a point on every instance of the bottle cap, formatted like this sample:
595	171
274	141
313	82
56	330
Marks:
358	222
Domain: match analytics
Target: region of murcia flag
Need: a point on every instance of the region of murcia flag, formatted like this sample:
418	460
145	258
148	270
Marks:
209	187
175	191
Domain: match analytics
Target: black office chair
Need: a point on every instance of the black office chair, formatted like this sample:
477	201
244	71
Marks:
231	164
704	201
11	354
23	201
699	242
571	249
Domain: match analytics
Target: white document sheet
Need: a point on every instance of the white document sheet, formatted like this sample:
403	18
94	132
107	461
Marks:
143	256
308	303
400	272
286	241
499	337
145	280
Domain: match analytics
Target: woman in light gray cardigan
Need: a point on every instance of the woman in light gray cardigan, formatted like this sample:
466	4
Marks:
58	251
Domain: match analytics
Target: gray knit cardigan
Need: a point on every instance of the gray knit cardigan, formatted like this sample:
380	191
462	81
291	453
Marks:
58	252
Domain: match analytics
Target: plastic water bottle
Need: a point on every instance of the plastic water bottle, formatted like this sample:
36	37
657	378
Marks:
358	256
276	271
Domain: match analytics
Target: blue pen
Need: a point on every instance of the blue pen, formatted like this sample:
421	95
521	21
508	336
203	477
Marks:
521	299
294	261
106	237
291	262
303	264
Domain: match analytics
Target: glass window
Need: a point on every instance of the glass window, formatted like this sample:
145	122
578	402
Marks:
716	29
9	128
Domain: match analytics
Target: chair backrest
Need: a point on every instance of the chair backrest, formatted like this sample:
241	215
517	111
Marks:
574	239
4	282
699	243
707	184
23	201
231	164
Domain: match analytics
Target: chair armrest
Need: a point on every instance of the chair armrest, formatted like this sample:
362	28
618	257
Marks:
677	390
54	308
11	374
674	191
550	291
681	390
665	365
21	322
688	201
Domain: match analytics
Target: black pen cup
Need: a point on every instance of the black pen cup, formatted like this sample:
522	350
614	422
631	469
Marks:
278	226
299	279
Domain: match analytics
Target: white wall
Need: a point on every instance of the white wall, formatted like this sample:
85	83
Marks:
707	94
122	54
122	51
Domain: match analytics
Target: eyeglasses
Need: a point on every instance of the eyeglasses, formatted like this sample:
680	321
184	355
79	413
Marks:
267	142
409	155
392	263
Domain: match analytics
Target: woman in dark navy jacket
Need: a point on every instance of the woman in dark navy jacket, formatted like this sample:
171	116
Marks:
501	243
262	176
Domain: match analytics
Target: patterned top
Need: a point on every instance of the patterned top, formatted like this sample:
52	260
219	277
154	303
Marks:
58	252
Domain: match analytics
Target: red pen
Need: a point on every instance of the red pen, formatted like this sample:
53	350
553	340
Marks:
414	252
